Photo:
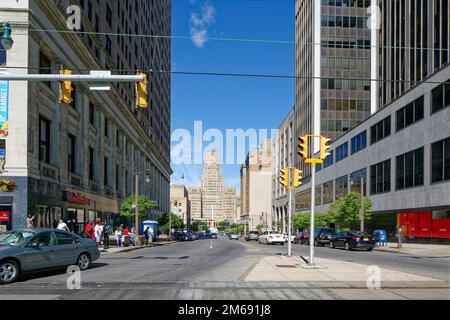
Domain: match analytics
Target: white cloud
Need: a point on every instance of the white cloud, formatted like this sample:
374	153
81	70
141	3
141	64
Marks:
199	22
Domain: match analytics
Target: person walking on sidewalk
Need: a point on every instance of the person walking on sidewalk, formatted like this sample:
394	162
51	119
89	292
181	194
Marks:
89	230
106	233
98	233
147	235
30	222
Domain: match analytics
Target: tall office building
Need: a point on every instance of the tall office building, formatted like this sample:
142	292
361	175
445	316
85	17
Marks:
230	204
333	67
195	201
78	160
256	180
414	38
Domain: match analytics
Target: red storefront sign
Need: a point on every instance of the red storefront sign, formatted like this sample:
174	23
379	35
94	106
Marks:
4	216
76	197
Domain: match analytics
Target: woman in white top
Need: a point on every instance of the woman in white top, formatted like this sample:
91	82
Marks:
62	226
98	233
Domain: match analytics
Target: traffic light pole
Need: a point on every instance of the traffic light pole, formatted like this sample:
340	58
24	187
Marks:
290	225
312	237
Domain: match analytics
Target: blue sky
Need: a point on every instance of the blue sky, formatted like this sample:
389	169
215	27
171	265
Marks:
229	102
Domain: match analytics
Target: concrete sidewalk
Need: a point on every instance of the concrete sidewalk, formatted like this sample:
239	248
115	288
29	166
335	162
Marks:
347	280
423	250
113	250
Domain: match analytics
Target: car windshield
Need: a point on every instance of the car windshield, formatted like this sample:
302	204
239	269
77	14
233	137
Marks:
360	233
254	232
15	238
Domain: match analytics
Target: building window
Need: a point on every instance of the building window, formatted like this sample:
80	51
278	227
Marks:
380	177
105	172
359	142
410	114
44	140
109	15
329	160
91	164
342	152
45	67
328	195
356	178
380	131
117	177
440	161
91	114
440	97
341	187
106	128
410	169
71	154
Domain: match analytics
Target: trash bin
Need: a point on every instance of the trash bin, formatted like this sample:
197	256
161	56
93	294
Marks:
381	236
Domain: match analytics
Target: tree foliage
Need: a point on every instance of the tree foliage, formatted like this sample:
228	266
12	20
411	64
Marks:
302	221
346	210
145	206
164	221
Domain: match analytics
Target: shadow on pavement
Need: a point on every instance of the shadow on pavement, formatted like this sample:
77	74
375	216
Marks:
56	272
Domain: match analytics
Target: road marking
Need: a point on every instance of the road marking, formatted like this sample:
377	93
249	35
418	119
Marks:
247	272
247	245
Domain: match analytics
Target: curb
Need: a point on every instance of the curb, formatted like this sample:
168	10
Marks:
411	254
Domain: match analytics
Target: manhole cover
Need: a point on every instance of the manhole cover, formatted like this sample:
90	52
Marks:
286	266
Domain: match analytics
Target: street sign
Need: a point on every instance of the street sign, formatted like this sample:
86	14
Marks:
4	96
133	207
2	153
100	86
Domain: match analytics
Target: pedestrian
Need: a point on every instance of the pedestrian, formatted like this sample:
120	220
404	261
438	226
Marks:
89	230
62	226
106	232
118	235
147	235
98	233
126	233
30	222
76	227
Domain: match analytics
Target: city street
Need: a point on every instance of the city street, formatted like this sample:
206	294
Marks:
217	269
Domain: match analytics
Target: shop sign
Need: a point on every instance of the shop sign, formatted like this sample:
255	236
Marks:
4	216
76	197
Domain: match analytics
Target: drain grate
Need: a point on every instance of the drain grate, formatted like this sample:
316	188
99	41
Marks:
292	266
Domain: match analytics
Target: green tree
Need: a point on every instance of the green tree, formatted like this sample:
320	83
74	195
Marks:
260	228
346	210
164	221
224	226
194	226
302	221
203	226
145	206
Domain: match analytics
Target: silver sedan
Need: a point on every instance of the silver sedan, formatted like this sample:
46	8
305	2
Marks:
34	250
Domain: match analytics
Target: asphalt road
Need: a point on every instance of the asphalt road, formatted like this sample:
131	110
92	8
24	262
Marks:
204	269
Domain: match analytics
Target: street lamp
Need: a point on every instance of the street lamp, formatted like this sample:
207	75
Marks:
7	41
136	218
361	209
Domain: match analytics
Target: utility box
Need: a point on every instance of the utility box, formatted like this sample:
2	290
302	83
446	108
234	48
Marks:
154	229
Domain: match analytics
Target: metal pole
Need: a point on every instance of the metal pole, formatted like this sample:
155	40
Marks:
361	210
170	224
313	205
290	224
73	78
136	217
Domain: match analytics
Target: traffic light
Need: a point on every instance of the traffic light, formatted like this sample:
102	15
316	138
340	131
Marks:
303	147
284	177
142	92
65	89
324	147
297	178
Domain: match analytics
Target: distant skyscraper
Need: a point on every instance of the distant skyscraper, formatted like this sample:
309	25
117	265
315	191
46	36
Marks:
212	201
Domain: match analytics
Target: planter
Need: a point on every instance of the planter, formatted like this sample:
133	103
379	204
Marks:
7	186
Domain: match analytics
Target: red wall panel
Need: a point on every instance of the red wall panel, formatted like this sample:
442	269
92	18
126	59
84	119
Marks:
441	228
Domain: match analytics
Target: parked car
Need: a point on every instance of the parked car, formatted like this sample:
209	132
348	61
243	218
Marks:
184	236
350	240
234	236
301	238
322	236
286	237
35	250
202	235
213	235
271	237
252	235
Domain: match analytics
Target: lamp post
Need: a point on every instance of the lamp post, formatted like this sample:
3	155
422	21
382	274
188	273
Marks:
7	41
136	217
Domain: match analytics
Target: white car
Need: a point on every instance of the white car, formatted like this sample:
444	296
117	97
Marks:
286	237
271	237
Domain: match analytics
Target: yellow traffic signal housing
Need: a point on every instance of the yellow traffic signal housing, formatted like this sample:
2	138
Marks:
284	177
65	89
303	147
142	92
297	178
324	147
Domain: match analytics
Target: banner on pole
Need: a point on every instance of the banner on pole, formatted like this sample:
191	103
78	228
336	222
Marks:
4	93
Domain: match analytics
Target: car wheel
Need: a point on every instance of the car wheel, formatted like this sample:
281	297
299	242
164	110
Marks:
84	261
347	246
316	243
331	245
370	249
9	271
